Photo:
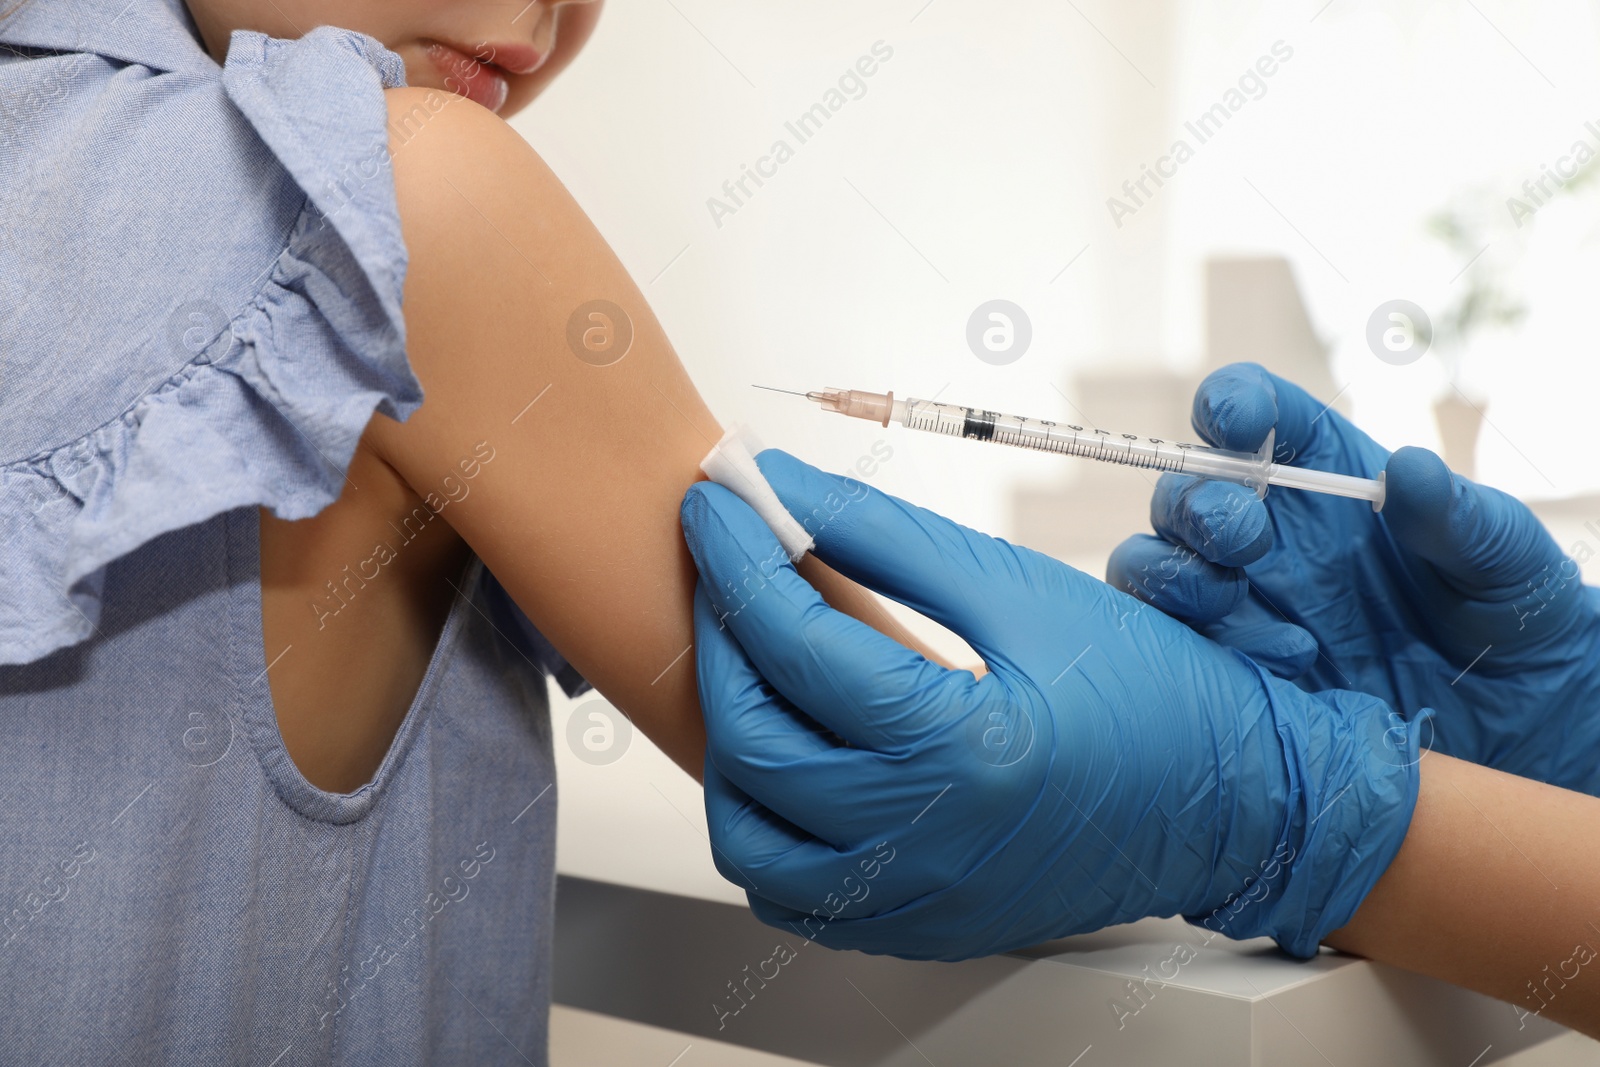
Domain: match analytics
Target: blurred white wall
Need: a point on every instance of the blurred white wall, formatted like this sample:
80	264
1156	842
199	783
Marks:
1386	114
978	163
972	168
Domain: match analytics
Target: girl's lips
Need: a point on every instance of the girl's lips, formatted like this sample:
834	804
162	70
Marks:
515	58
480	81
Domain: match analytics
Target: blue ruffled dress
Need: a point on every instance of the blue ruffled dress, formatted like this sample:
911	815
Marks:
200	309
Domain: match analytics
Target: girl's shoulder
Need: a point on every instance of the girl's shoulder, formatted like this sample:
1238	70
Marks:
202	301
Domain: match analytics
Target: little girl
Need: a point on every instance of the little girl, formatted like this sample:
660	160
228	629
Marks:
296	336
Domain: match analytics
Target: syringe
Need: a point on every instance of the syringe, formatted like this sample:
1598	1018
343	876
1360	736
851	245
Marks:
1255	470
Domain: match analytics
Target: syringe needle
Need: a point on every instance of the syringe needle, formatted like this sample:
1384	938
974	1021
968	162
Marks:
774	389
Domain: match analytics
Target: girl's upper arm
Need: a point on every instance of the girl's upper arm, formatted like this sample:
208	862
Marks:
531	340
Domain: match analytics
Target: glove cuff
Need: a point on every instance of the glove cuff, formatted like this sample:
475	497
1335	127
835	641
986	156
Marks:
1354	777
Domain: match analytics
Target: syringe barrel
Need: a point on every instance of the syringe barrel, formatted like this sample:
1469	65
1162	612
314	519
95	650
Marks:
1044	435
1241	467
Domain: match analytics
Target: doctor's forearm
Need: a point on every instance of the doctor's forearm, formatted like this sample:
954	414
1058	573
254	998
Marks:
1497	889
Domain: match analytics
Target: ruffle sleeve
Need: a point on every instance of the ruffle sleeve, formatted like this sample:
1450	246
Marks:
271	407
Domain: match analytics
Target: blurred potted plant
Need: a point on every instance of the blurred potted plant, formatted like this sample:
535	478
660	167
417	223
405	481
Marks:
1485	302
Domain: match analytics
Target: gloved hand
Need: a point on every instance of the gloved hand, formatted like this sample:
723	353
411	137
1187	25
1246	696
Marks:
1112	764
1453	596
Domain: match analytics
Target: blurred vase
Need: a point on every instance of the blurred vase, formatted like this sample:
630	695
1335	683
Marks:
1459	421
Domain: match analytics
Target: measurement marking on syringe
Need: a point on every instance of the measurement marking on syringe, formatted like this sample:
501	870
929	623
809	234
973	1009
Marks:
1099	447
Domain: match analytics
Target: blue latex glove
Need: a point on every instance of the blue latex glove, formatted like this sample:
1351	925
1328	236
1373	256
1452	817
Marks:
1453	596
1113	764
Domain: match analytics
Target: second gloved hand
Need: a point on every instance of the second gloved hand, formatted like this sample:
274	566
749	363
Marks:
1112	764
1453	596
